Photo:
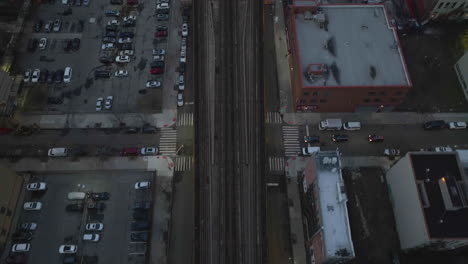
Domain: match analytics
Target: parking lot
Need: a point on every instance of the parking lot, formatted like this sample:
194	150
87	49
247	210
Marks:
88	25
57	226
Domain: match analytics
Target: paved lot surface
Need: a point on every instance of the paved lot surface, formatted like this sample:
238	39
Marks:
56	226
81	93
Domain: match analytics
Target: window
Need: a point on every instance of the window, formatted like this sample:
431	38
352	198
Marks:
399	93
382	93
454	4
323	100
313	101
302	101
315	93
446	5
371	93
306	93
367	100
440	5
376	100
393	100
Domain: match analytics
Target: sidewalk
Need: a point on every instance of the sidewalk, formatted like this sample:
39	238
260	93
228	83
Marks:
107	120
393	118
282	60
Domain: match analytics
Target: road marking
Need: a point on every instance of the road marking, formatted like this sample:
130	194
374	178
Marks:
273	118
183	163
291	141
276	164
185	119
168	141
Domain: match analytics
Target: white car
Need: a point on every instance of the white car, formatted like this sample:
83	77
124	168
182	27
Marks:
129	18
457	125
149	151
68	249
126	52
67	74
180	99
36	186
158	58
99	104
21	247
35	75
159	51
107	46
31	226
162	6
153	84
27	75
443	149
109	100
182	57
91	237
122	59
113	23
121	73
32	206
181	83
94	227
42	43
125	40
142	185
184	30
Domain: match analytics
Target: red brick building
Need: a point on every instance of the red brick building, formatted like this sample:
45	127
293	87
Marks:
345	58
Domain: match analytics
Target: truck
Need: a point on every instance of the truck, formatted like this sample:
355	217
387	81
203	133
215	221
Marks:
330	124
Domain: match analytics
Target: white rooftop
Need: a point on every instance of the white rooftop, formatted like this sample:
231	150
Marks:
333	210
358	40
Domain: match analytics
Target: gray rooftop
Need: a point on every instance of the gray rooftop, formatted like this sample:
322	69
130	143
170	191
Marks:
365	47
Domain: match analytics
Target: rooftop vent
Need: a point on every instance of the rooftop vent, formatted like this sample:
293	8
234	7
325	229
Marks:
372	72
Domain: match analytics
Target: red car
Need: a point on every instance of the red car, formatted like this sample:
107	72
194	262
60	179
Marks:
375	138
132	2
130	152
156	71
160	34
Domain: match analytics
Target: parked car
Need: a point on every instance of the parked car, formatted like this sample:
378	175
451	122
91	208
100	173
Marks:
99	102
112	13
125	40
156	71
159	51
149	151
57	25
35	75
24	247
132	130
139	237
127	34
129	23
102	74
162	6
142	185
104	59
91	237
38	26
116	2
76	44
76	196
100	196
162	28
434	124
181	82
126	53
27	75
140	215
58	76
392	152
42	43
36	186
108	40
109	100
181	67
22	236
50	77
43	76
129	152
162	17
129	18
158	58
180	99
121	73
122	59
139	226
96	206
78	207
32	206
160	34
68	249
153	84
141	206
32	45
157	64
111	28
110	34
29	226
126	46
67	74
132	2
375	138
311	139
339	138
149	130
457	125
16	259
94	227
184	30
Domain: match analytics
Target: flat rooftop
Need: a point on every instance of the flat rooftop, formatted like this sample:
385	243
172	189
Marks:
357	45
334	213
430	168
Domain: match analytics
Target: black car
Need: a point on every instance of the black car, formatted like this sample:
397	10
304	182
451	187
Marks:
108	40
157	64
116	2
101	74
139	226
140	215
126	46
100	196
435	124
74	208
38	26
141	206
80	26
67	44
43	76
162	11
21	236
162	17
105	59
311	139
96	206
58	78
16	259
139	237
161	28
129	23
127	34
32	45
110	34
50	77
69	259
112	13
111	28
131	130
149	130
181	67
76	44
340	138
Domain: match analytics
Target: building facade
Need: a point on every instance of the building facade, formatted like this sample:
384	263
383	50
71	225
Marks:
461	69
428	193
448	10
345	58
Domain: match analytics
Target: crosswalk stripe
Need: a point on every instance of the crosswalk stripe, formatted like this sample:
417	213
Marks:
183	163
276	164
185	119
273	118
168	141
291	141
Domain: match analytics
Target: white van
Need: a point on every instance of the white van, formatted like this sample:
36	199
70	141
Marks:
67	74
76	195
58	152
352	125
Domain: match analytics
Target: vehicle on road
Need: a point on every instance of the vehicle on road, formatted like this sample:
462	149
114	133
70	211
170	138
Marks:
99	102
32	206
140	215
67	74
76	196
181	82
91	237
139	237
68	249
434	124
21	247
330	124
184	30
311	139
36	186
457	125
94	227
42	43
159	51
180	99
109	100
162	17
130	151
27	75
392	152
29	226
121	73
100	196
126	53
122	59
142	185
149	151
139	226
351	126
35	75
339	138
375	138
153	84
141	205
74	207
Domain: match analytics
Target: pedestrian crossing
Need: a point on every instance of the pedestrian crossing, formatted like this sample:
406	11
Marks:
276	164
183	163
291	143
185	119
273	118
168	141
